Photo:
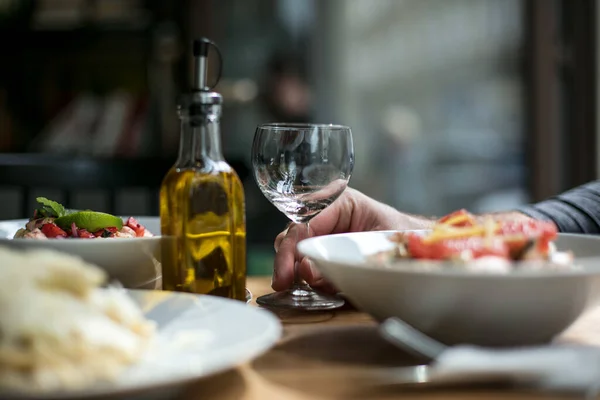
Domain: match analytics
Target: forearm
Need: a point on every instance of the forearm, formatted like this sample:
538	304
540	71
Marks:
575	211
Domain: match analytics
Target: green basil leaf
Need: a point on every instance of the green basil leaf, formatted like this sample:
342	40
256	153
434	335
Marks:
52	207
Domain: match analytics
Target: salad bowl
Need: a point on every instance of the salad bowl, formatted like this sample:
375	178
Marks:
461	305
133	262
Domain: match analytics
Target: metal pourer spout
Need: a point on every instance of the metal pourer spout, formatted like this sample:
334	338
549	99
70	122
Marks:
200	52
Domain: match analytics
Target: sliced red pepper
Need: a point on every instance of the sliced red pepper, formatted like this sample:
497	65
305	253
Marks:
52	230
448	248
137	228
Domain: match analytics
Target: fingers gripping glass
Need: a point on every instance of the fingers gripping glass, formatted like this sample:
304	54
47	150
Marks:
301	169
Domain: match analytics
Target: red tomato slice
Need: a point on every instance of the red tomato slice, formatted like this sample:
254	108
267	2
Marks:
517	234
510	238
445	249
529	229
133	224
52	230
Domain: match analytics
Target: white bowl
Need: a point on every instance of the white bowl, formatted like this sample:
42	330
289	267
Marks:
518	308
135	263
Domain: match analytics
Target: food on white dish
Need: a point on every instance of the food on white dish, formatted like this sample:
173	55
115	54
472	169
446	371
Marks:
461	240
53	221
59	329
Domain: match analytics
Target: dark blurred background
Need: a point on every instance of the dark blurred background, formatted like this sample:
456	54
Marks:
482	104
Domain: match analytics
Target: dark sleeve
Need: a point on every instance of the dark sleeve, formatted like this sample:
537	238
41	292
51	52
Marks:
575	211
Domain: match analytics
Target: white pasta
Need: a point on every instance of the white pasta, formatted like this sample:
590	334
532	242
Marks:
58	328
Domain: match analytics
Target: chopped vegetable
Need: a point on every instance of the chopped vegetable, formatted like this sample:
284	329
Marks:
90	220
53	231
461	236
469	248
53	220
137	228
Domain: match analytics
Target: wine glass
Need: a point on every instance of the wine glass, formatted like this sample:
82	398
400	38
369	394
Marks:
302	169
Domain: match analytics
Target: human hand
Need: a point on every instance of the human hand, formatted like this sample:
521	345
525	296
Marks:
351	212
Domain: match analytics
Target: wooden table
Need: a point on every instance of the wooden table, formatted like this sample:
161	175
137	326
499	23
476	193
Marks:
318	353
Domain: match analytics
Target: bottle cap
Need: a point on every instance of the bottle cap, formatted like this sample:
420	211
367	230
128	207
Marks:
202	100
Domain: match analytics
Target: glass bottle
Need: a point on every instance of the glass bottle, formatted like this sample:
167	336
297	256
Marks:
202	205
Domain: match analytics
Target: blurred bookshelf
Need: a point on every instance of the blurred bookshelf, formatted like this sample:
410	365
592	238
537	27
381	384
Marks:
98	80
91	77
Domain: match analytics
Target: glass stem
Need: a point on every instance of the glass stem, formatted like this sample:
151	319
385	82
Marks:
302	232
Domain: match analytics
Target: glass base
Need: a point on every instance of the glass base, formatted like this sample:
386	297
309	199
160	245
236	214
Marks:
301	298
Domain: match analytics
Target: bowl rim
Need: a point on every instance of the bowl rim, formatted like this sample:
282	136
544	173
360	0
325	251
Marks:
305	244
79	240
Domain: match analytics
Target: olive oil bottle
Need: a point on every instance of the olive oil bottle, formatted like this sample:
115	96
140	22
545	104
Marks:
202	205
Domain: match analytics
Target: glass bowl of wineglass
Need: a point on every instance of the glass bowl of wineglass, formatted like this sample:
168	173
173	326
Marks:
301	169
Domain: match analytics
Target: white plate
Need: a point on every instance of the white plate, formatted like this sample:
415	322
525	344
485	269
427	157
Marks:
198	336
135	263
458	306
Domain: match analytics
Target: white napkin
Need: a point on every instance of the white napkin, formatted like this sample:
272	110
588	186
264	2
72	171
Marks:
557	367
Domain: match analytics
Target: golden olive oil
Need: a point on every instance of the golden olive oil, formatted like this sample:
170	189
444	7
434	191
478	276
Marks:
202	205
203	220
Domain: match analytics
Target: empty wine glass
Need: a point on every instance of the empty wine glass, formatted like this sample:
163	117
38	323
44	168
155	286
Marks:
302	169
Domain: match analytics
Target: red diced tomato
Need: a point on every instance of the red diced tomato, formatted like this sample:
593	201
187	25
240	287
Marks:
543	245
137	228
448	248
529	229
84	234
509	238
52	230
517	234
